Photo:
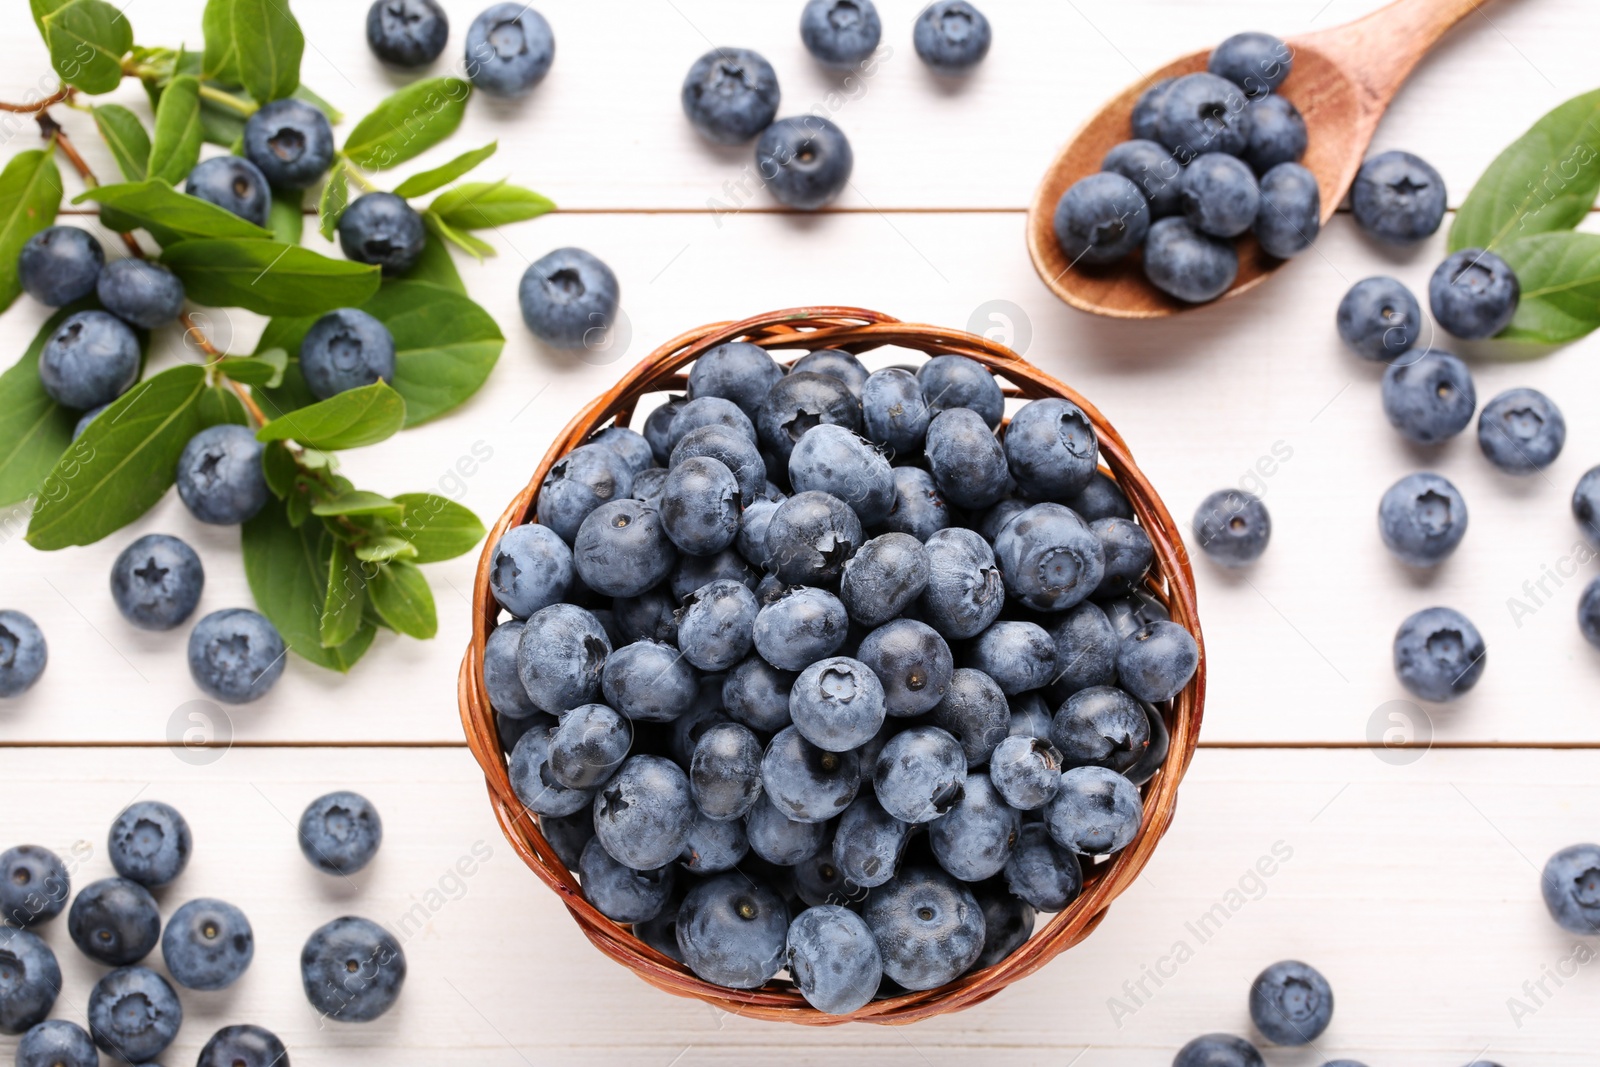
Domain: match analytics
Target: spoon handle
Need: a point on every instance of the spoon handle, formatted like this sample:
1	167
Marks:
1378	51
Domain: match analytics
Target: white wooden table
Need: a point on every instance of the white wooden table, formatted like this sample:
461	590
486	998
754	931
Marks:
1411	880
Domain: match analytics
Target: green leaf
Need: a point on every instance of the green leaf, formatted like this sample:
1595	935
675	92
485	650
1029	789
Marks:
435	267
1560	278
269	277
1545	181
87	40
219	404
288	573
437	528
286	217
484	205
401	596
351	419
334	199
439	177
263	369
385	548
346	601
168	215
408	122
123	464
278	464
473	246
30	196
221	60
124	135
34	429
270	48
361	502
175	145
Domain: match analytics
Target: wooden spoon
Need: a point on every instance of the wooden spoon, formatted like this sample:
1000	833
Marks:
1342	81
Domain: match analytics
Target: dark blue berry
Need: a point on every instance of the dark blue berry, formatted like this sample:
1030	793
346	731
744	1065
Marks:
219	475
1438	654
1185	263
716	625
833	957
134	1014
234	184
57	1043
1589	613
382	230
1155	753
235	655
1095	812
810	538
837	704
156	582
1422	519
799	401
140	292
1277	133
1051	449
920	774
868	842
1397	197
974	711
407	33
958	382
1429	397
1218	1050
951	36
967	461
648	681
1007	922
1151	168
623	894
579	482
728	446
730	95
1086	648
806	783
1101	726
832	459
590	743
805	161
928	926
569	298
1290	215
1050	558
560	655
568	835
1474	294
352	970
835	363
34	885
532	569
1128	553
642	815
1256	62
779	839
800	627
1019	656
715	845
243	1046
733	931
90	359
912	662
973	840
622	548
1203	113
736	371
1521	431
1101	498
883	578
893	411
1220	196
290	141
1026	771
919	508
647	617
725	771
1570	883
1233	527
509	50
1291	1003
149	843
757	694
1586	503
30	980
629	445
340	832
1146	118
1044	874
346	349
60	264
1157	660
1101	218
114	921
840	33
207	944
1378	317
700	506
531	779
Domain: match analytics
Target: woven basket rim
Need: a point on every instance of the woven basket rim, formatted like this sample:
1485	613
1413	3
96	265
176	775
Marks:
854	330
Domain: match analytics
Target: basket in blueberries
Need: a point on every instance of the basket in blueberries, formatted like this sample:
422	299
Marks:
830	692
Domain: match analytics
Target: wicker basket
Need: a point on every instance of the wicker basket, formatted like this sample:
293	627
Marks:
853	330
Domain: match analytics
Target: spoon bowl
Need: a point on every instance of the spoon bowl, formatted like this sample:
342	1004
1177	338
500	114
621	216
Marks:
1342	82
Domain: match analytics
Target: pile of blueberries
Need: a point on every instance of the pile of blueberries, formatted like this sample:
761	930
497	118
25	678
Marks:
352	969
731	94
1291	1004
1215	154
824	672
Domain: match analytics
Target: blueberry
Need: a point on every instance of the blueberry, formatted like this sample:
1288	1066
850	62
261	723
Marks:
912	662
974	711
868	842
733	931
1026	771
620	893
1101	218
532	569
352	970
1290	215
219	475
835	363
1128	613
803	625
779	839
1128	554
509	49
837	704
730	95
832	955
1589	613
91	359
57	1043
290	141
589	744
34	886
1219	194
560	655
1521	431
973	840
1438	654
965	591
234	184
725	771
630	446
340	833
140	292
407	33
568	835
928	926
1007	922
1291	1003
715	845
85	419
796	403
920	774
883	578
967	460
1397	198
951	36
1051	449
730	448
1019	656
1086	647
207	945
1151	168
622	548
1101	727
958	382
30	980
23	653
806	783
804	161
1277	133
1378	317
840	33
716	625
579	482
658	426
150	843
60	265
1474	294
534	784
1256	62
893	411
1156	661
704	411
569	297
832	459
1155	753
1422	519
648	485
1095	812
346	349
156	582
736	371
1101	498
811	537
919	507
134	1014
700	506
1586	503
642	815
648	681
243	1046
661	932
1203	113
757	694
382	230
1233	527
1187	264
1146	118
1571	887
647	617
235	655
1218	1050
1049	557
114	921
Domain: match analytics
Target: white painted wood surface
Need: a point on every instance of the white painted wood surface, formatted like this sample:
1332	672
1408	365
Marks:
1412	886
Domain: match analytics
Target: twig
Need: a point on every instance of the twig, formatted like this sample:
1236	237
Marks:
64	93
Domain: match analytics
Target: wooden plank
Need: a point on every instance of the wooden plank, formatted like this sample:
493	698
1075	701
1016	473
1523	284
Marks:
1414	889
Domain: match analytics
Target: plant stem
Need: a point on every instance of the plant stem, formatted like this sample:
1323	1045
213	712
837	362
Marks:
242	108
63	93
358	177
